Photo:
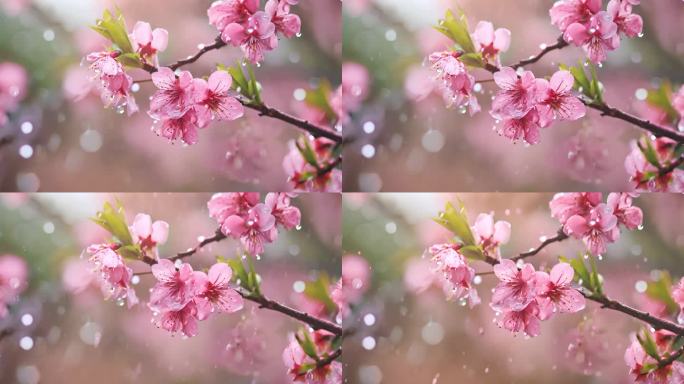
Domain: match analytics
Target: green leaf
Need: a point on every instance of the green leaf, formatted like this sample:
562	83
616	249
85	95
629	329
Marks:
456	220
307	152
319	98
473	59
588	86
582	274
457	30
307	344
648	344
245	84
661	98
113	219
130	60
649	152
130	251
113	28
595	85
595	278
473	252
319	290
253	85
661	290
240	276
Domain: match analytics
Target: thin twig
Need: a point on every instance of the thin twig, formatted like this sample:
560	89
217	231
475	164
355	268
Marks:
560	44
218	236
655	129
674	356
304	317
332	357
560	236
7	140
673	165
262	108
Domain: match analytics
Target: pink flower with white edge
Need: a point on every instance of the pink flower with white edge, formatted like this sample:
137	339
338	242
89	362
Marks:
596	38
183	320
114	83
454	80
491	42
558	101
215	99
678	296
175	288
596	230
214	292
567	12
148	234
223	205
629	216
114	275
301	368
13	84
255	37
628	23
565	205
517	287
281	208
641	367
525	320
253	230
175	95
285	22
556	294
457	274
148	42
226	12
490	235
525	128
519	94
13	280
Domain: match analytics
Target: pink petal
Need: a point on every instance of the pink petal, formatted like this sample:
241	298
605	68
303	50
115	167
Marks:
562	81
230	301
164	78
160	39
571	301
576	34
484	225
220	82
506	270
506	78
502	39
502	232
234	226
562	274
484	33
164	270
576	226
572	109
142	33
160	232
220	274
142	226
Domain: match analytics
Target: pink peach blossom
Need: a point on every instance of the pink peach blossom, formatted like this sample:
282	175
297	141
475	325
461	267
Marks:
456	273
281	208
628	215
596	230
565	205
355	85
216	101
113	274
517	287
148	234
490	42
297	361
254	230
525	128
490	235
519	94
558	101
628	23
644	176
285	22
226	12
356	275
454	80
567	12
13	86
304	177
596	38
175	95
148	42
184	127
214	293
114	82
13	280
223	205
175	288
525	320
255	37
183	320
556	294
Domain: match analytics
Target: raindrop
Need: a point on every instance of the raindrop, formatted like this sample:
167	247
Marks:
299	286
369	127
368	151
26	127
49	35
391	35
641	94
368	343
369	319
299	94
49	228
26	343
27	319
26	151
641	286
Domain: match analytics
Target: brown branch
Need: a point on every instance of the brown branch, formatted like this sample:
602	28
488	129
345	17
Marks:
674	356
332	357
560	44
304	317
673	165
560	236
218	236
263	302
646	317
7	140
262	108
314	130
655	129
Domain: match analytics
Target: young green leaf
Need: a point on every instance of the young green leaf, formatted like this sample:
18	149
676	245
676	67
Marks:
113	219
456	220
456	28
661	290
319	290
661	98
648	344
319	98
307	344
113	28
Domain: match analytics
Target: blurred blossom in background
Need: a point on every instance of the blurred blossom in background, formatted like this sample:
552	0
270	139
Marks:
60	328
59	137
406	327
405	126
